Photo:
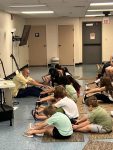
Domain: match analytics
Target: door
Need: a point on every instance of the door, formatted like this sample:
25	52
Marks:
37	46
92	42
66	44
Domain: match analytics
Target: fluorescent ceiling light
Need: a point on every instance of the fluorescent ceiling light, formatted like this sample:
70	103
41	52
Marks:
101	4
100	10
21	6
95	15
37	12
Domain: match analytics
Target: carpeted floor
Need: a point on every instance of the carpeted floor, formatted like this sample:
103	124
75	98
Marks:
82	109
86	78
76	137
96	145
76	77
108	107
80	105
94	136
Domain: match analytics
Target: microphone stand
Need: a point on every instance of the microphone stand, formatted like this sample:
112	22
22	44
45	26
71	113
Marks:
12	47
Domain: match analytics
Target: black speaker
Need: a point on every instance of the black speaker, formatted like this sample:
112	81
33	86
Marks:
6	113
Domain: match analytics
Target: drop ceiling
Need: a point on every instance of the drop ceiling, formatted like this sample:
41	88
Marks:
61	8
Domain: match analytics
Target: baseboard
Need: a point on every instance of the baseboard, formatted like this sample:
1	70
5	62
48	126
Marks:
67	65
49	65
77	64
24	67
37	65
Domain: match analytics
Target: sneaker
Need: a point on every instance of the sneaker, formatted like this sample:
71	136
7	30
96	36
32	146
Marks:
97	81
38	103
86	87
83	101
27	135
84	98
33	112
112	113
40	134
31	126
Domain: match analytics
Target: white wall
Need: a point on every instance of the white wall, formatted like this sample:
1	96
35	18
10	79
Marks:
5	41
21	53
107	40
52	35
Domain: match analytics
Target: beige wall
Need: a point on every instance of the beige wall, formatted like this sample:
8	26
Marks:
52	35
21	53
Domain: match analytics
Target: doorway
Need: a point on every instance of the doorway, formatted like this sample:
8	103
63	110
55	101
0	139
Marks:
92	42
66	44
37	46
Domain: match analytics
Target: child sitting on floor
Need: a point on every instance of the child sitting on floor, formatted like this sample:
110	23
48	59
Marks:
67	104
57	125
98	120
106	89
63	104
66	82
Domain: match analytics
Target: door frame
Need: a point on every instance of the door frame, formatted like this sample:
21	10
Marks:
83	42
45	44
60	43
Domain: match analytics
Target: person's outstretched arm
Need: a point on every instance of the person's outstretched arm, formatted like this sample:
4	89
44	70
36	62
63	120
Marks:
95	90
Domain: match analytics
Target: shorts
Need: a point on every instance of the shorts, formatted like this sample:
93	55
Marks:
73	120
98	129
57	135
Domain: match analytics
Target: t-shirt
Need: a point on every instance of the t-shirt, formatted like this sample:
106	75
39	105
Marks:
110	97
62	123
101	117
67	74
69	107
71	92
108	94
20	83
